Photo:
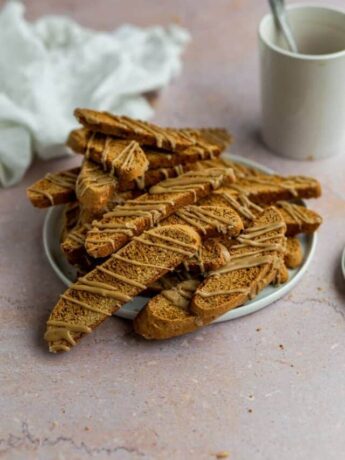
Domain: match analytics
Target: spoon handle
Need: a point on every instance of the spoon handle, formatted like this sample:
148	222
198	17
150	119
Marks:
279	13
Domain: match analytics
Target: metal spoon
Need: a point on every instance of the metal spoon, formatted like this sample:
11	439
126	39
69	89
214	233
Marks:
279	13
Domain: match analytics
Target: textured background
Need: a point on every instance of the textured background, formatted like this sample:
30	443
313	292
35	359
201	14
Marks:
266	386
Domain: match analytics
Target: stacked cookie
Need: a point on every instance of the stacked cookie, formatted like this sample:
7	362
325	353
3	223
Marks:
157	211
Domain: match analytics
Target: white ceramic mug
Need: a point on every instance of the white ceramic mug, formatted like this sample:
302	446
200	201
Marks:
303	95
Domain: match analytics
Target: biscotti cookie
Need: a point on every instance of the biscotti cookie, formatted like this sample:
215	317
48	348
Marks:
145	133
168	314
255	259
294	253
241	171
117	227
73	244
99	294
207	220
123	159
53	189
94	187
104	149
153	176
298	218
270	189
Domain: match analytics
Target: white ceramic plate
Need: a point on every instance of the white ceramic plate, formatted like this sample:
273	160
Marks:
67	273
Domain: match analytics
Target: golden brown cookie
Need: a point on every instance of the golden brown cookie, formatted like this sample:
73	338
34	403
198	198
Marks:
105	149
168	314
145	133
298	218
270	189
122	158
53	189
117	227
94	187
100	293
255	259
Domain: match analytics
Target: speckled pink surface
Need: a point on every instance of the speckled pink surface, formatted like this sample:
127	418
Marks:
268	386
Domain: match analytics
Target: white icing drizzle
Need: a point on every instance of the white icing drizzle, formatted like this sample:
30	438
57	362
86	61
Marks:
246	239
102	289
296	213
289	184
61	330
196	214
224	292
191	181
241	204
246	261
64	180
161	135
122	278
162	246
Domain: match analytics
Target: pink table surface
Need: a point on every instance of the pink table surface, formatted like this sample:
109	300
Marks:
267	386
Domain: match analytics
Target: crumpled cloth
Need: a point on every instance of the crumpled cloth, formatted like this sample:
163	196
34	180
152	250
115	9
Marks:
51	66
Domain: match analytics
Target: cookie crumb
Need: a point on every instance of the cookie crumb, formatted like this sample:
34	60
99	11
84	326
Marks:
176	19
250	411
86	428
258	329
222	454
281	346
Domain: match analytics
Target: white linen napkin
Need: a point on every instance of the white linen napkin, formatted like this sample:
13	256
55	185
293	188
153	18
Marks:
49	67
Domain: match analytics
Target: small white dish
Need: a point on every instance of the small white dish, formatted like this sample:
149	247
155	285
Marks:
303	97
67	273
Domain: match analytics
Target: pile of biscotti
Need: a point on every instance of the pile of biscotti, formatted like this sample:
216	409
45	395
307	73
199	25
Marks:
157	211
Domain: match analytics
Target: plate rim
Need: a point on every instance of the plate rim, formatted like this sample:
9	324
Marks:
238	312
45	237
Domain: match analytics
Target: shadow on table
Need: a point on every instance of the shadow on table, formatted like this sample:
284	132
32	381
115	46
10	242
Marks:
338	279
